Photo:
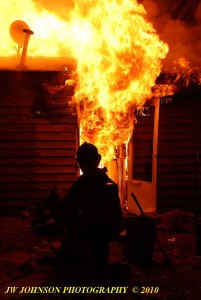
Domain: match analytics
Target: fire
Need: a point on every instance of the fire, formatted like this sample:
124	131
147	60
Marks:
51	33
118	56
185	73
117	64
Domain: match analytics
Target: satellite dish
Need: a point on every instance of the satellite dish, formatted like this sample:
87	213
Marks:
17	31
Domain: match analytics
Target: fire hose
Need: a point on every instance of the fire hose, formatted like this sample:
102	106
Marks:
167	260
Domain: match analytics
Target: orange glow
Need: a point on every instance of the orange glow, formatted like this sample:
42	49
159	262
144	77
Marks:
118	55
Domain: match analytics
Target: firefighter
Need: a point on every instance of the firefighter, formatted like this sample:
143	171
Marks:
91	212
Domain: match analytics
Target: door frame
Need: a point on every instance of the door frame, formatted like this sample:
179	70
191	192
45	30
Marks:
146	192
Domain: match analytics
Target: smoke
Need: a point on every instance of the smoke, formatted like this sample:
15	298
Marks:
198	13
178	23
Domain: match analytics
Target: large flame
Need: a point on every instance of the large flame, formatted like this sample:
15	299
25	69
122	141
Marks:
118	62
118	56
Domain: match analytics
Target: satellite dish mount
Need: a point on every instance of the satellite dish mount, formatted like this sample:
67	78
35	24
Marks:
21	33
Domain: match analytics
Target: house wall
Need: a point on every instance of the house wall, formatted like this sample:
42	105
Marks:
38	136
179	152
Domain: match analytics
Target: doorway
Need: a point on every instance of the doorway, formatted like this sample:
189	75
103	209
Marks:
142	159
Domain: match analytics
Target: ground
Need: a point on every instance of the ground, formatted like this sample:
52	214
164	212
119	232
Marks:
21	266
